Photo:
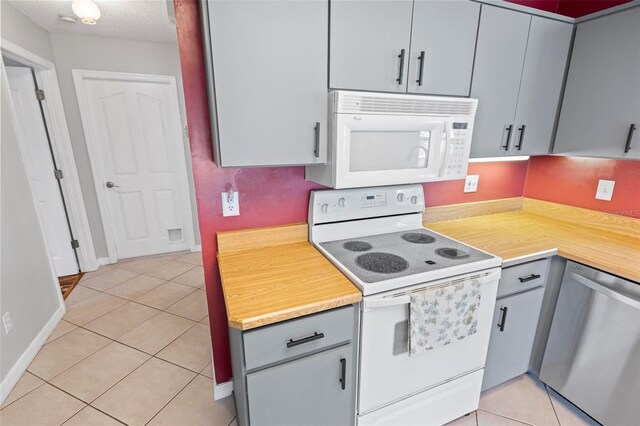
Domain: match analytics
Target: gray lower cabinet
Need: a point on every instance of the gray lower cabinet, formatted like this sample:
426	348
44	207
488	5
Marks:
601	105
421	46
307	391
515	321
297	372
267	67
518	76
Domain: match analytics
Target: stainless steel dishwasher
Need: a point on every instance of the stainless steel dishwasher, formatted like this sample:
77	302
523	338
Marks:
593	352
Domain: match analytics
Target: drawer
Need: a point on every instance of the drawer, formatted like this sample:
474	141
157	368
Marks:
278	342
523	277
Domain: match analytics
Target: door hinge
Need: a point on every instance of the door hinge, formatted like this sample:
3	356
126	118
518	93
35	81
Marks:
75	244
40	94
58	174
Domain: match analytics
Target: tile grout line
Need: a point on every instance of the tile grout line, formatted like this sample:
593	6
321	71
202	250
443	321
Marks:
505	417
169	402
546	388
234	417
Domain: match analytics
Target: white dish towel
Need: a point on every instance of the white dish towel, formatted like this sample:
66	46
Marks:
443	316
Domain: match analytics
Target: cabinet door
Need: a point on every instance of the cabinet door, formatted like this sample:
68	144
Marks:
514	326
270	70
542	78
443	40
502	43
367	39
307	391
602	96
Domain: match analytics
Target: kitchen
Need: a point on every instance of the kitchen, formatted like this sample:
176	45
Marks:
410	212
530	75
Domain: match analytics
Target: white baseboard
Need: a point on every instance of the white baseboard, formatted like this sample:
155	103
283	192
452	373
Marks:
196	248
104	261
29	354
222	390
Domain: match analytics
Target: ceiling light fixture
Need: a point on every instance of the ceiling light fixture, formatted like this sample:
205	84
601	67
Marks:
86	10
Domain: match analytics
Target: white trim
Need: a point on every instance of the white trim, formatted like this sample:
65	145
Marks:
56	121
222	390
528	10
196	248
25	359
608	11
96	166
104	261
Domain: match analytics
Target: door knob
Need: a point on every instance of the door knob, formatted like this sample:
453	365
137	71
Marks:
111	185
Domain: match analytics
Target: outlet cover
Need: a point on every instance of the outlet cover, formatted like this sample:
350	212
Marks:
230	203
7	322
605	189
471	183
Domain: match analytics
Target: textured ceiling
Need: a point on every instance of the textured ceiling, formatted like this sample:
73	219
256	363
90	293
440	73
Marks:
130	19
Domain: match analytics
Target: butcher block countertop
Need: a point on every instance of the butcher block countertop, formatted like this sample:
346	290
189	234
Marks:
604	241
273	274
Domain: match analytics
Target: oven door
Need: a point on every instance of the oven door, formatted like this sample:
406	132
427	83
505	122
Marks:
372	150
388	373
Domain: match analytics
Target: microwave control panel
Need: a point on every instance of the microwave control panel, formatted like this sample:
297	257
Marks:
460	146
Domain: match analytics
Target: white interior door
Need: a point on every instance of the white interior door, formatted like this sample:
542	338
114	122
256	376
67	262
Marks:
133	132
40	168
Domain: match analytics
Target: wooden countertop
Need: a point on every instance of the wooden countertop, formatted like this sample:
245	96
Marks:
607	242
273	274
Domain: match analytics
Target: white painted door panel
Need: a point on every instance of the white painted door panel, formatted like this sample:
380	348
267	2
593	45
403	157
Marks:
40	168
134	127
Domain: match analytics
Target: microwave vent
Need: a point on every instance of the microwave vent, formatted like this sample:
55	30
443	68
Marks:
375	103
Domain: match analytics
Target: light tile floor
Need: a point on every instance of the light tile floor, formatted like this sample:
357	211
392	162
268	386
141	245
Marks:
133	348
524	401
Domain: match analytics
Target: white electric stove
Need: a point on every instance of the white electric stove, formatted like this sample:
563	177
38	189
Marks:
376	238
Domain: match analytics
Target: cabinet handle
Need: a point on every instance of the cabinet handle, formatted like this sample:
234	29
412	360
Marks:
503	319
343	373
509	129
521	130
291	343
421	68
627	146
316	145
529	278
401	70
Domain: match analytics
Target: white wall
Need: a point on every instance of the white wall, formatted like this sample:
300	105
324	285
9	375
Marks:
109	54
20	30
28	287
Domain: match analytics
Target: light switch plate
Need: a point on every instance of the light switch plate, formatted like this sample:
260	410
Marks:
471	183
230	204
605	189
7	322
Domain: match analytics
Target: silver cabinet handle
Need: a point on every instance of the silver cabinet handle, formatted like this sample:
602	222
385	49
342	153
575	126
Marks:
604	289
111	185
627	146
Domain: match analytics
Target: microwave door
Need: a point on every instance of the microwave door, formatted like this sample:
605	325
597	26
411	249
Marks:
382	150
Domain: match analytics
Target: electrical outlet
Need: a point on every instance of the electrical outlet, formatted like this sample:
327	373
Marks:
7	322
471	183
605	189
230	203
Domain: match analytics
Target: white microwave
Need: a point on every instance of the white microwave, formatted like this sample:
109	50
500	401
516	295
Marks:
389	139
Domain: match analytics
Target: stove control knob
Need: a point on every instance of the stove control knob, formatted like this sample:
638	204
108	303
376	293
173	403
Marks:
324	208
400	197
414	200
342	202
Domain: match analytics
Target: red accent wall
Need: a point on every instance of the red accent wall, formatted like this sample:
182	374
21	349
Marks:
274	196
573	181
572	8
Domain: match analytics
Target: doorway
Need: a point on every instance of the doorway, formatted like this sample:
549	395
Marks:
44	175
133	131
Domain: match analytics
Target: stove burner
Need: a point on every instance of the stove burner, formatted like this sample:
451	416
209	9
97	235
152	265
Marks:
417	238
382	263
452	253
357	246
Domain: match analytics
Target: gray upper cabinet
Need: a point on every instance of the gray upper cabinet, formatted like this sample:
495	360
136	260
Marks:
500	52
370	44
602	95
519	71
443	40
542	79
268	80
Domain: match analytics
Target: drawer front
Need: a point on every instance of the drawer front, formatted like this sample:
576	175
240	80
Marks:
279	342
523	277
